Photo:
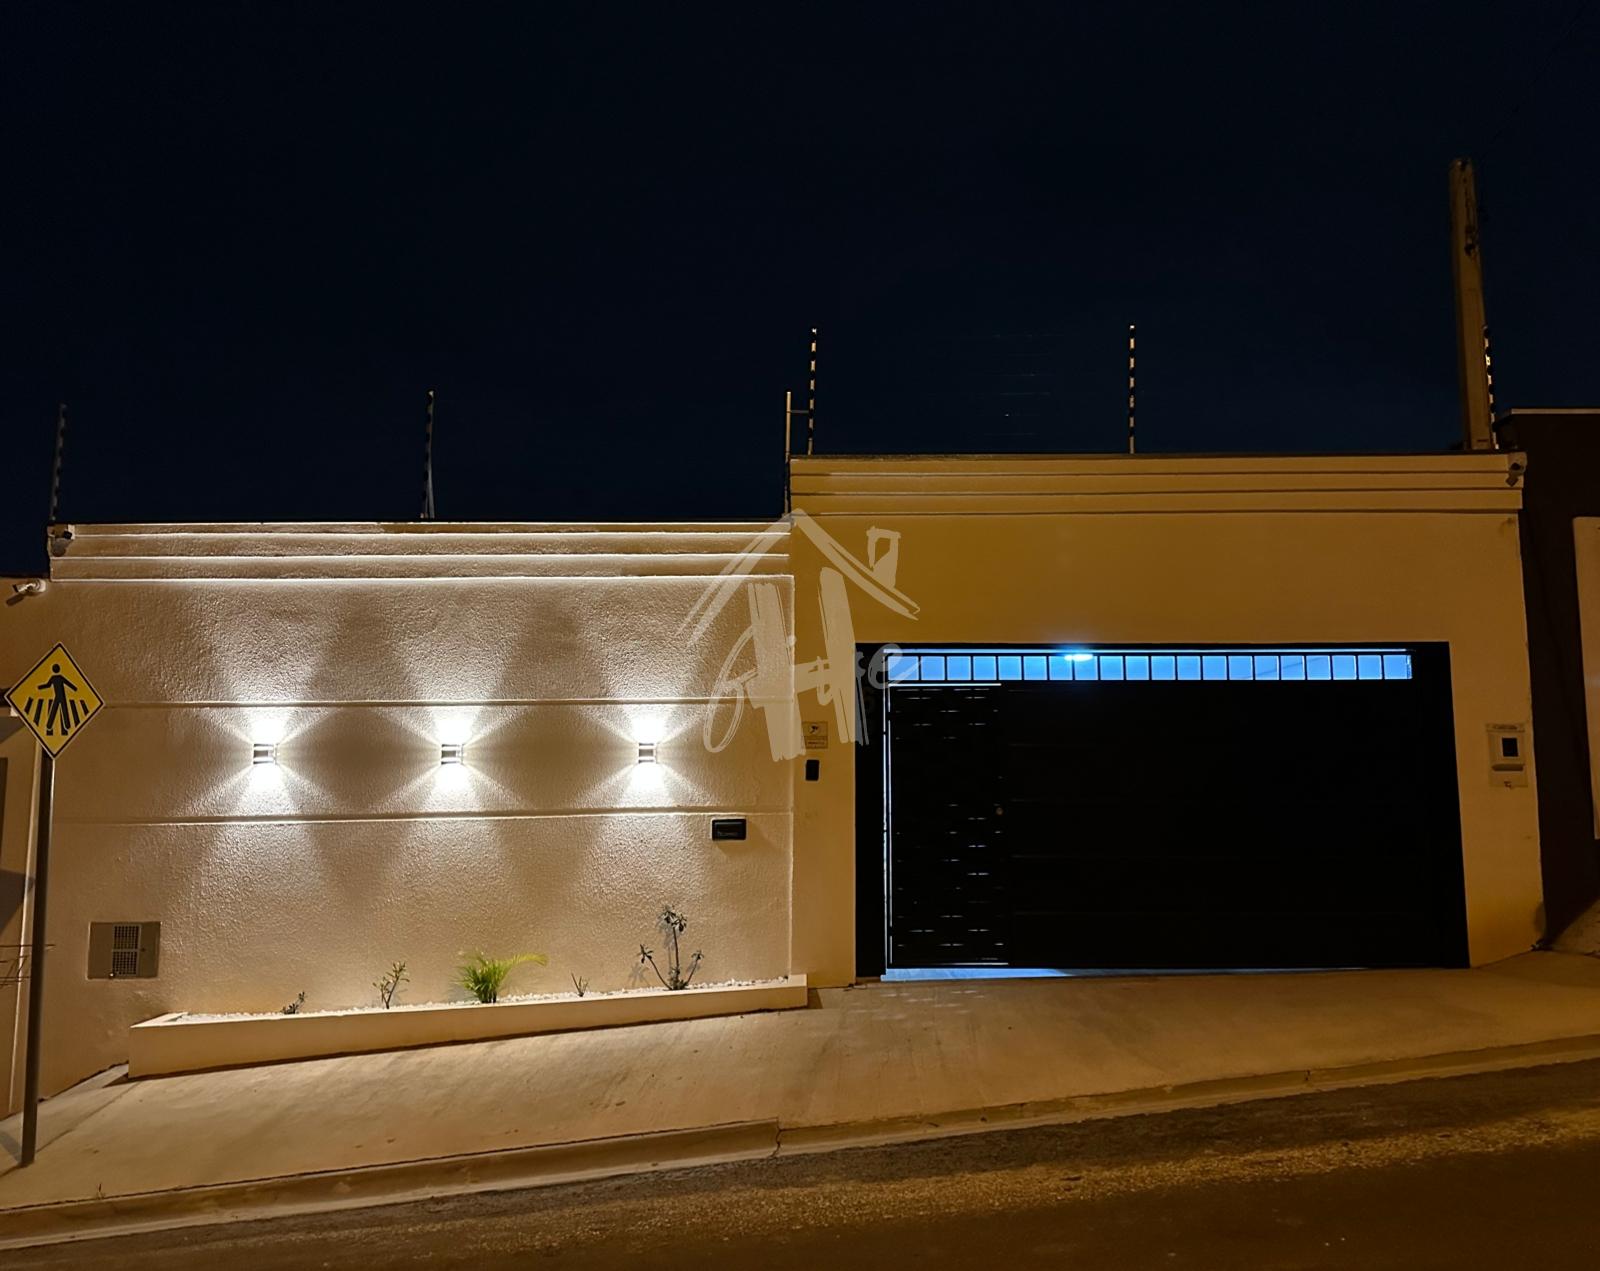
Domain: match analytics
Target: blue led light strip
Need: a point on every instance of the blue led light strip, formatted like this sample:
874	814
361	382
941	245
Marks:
953	666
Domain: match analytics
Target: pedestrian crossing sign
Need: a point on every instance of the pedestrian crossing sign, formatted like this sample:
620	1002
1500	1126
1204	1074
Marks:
55	700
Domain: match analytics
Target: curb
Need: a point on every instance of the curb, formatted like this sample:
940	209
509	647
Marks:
549	1164
374	1185
1214	1092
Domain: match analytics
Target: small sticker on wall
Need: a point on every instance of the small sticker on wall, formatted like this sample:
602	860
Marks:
816	734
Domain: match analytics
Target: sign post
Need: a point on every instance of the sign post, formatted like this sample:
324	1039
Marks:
41	878
55	701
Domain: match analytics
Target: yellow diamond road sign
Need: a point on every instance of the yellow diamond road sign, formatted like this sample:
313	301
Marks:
55	700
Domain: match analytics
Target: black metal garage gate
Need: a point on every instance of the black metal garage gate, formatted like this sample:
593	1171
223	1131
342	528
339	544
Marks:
1159	808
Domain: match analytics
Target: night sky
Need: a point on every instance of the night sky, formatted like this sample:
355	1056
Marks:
242	240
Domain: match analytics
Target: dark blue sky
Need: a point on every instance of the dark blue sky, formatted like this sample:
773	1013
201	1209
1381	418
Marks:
242	240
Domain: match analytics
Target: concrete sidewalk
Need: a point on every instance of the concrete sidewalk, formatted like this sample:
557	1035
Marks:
864	1064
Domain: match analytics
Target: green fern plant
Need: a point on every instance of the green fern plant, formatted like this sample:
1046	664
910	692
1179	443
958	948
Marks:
483	976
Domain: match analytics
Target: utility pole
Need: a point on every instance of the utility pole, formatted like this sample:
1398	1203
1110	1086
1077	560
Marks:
1472	324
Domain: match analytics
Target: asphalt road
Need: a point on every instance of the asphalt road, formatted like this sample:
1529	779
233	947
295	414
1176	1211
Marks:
1492	1171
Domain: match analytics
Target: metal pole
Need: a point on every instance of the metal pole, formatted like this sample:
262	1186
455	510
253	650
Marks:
55	467
788	443
1133	380
41	876
427	465
811	396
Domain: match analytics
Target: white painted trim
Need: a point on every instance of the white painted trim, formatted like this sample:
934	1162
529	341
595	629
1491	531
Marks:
1052	485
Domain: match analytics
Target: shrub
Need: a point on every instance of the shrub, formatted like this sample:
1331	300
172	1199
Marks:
483	976
388	984
672	924
294	1007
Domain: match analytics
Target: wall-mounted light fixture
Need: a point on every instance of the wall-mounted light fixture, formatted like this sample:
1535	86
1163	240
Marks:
647	752
452	752
263	752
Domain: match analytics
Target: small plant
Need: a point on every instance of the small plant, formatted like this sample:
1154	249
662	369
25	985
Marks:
673	924
388	984
294	1007
483	976
580	984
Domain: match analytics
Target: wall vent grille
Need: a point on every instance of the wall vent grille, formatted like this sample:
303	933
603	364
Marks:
123	950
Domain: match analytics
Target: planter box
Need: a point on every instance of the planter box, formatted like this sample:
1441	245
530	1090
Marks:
183	1043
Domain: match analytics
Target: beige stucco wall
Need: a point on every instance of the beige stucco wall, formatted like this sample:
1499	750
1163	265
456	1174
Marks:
358	847
1172	551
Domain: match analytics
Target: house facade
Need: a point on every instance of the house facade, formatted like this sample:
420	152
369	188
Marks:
981	712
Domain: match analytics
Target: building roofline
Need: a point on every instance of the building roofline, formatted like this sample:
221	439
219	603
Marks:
1547	410
1158	456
